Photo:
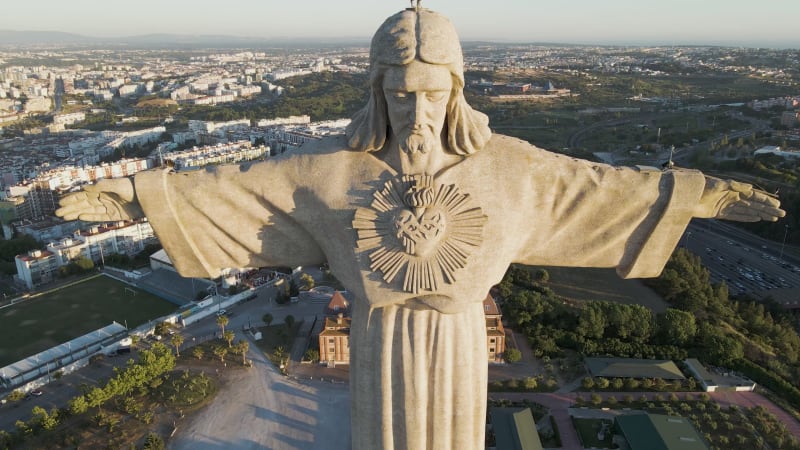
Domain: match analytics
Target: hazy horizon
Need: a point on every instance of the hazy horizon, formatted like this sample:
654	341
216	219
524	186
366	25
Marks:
615	22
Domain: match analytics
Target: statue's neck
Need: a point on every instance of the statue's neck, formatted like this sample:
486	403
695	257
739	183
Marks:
416	163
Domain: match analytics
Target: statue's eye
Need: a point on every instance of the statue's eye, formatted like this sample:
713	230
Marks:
436	96
399	95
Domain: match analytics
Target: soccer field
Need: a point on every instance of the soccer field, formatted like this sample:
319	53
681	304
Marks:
42	322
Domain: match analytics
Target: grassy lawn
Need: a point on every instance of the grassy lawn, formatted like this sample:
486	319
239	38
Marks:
55	317
587	430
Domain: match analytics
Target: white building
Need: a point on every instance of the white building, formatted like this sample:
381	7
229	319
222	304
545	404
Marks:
772	150
127	90
36	267
69	119
125	237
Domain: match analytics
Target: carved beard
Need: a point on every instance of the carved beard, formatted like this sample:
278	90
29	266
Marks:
421	141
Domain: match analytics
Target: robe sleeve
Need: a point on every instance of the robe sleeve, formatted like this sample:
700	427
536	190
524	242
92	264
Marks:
228	216
588	214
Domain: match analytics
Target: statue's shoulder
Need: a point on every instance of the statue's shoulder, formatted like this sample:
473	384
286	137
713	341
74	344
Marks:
511	148
325	148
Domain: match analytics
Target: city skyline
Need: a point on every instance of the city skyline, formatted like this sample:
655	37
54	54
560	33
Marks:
643	22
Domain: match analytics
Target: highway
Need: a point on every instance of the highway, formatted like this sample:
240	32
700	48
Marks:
748	264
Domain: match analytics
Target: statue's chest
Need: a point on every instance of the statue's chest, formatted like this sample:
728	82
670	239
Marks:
417	234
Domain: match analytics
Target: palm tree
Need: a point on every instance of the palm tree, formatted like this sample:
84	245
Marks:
177	341
242	347
228	337
222	321
198	352
220	351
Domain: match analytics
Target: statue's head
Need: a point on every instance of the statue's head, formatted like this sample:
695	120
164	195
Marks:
416	88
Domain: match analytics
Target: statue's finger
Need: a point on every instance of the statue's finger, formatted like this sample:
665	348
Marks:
754	212
738	186
92	217
765	198
72	198
67	213
742	217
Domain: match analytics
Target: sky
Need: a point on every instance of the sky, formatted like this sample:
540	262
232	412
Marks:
765	23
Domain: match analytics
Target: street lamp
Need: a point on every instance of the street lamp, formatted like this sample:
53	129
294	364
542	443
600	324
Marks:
785	233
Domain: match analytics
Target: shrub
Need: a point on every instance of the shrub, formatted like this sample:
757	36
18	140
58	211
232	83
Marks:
153	442
312	355
512	355
530	383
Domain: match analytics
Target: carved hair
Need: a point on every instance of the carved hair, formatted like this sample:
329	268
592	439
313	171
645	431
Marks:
430	38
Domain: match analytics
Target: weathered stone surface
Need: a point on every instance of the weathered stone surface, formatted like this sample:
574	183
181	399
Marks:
419	210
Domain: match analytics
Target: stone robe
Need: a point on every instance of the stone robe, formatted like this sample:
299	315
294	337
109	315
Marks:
419	360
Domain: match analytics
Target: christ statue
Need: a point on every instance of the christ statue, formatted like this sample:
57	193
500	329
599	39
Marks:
419	210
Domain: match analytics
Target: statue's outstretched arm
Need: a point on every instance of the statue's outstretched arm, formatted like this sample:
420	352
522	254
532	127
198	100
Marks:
108	200
732	200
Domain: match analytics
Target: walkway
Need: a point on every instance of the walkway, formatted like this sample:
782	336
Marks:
559	404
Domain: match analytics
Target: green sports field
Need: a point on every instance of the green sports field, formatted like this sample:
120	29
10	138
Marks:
39	323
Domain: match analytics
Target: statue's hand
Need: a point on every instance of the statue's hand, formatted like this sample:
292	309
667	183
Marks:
108	200
732	200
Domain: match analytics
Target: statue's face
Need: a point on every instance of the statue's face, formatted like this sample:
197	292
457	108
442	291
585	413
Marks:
416	98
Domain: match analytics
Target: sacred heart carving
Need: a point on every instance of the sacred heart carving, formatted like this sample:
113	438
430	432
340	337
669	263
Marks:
419	231
420	235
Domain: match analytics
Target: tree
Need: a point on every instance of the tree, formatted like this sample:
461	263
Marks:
78	405
220	352
306	282
177	340
676	327
267	318
542	275
228	336
16	395
153	442
289	321
294	290
311	355
161	329
242	347
512	355
720	348
43	419
588	383
222	321
198	352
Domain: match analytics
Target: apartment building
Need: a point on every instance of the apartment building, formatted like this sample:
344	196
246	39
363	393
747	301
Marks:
126	237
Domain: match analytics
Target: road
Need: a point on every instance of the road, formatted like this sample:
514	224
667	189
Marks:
747	263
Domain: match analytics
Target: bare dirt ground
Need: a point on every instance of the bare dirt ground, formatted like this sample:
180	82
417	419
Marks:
258	408
604	285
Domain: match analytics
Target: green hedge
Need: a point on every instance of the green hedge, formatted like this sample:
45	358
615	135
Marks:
769	380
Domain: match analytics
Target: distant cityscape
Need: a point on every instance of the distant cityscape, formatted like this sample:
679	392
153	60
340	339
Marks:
58	92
